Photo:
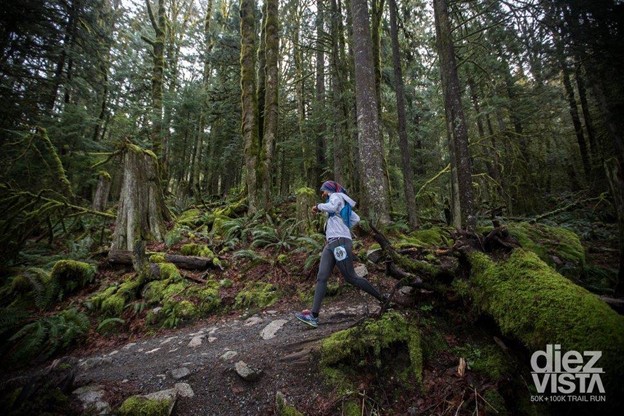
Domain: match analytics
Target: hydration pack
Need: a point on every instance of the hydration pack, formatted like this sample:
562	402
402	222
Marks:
345	214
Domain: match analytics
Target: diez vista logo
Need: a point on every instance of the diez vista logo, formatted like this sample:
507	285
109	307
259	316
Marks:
567	377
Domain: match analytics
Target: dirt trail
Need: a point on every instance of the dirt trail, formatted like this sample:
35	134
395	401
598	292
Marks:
204	356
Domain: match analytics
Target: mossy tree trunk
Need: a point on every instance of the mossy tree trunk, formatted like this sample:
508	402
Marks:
159	25
249	101
371	151
142	211
455	119
271	109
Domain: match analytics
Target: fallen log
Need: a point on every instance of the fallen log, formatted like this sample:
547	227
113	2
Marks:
408	265
124	257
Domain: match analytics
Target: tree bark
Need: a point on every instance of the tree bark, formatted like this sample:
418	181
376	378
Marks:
406	162
125	257
456	121
100	200
321	144
159	24
371	152
249	101
271	106
142	211
573	108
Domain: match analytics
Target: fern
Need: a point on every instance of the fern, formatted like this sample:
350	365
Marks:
12	318
251	256
41	339
109	323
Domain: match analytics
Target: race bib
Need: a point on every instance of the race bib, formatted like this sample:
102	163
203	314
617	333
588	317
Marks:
340	253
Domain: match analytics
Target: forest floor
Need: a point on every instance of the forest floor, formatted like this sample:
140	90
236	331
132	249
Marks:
204	356
199	359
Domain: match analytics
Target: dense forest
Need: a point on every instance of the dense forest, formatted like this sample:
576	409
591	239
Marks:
168	152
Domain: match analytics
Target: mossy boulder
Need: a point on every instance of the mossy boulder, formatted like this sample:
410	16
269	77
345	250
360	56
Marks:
557	246
145	406
258	295
191	217
389	346
72	275
207	298
533	303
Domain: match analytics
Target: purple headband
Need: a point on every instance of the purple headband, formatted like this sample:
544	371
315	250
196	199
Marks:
331	186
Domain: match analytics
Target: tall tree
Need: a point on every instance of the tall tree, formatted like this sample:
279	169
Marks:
406	160
159	25
249	101
371	152
271	110
455	119
320	91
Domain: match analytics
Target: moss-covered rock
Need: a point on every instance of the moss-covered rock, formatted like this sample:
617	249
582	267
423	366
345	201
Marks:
143	406
72	275
256	294
374	345
533	303
169	271
206	297
189	217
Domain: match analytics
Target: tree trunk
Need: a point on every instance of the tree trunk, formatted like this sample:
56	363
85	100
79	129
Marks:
371	152
271	100
377	7
249	101
142	211
573	107
615	175
100	200
158	63
321	162
406	162
456	121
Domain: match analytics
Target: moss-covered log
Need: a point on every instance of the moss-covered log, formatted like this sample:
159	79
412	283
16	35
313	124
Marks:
124	257
533	303
389	346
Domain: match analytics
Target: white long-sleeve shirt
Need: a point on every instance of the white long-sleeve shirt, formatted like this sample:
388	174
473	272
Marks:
336	228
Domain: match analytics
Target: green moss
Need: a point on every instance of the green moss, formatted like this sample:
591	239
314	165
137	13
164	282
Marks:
142	406
190	217
487	360
373	343
113	305
200	250
206	297
305	191
533	303
432	237
21	284
104	174
157	258
547	241
257	294
98	298
72	275
169	271
284	409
